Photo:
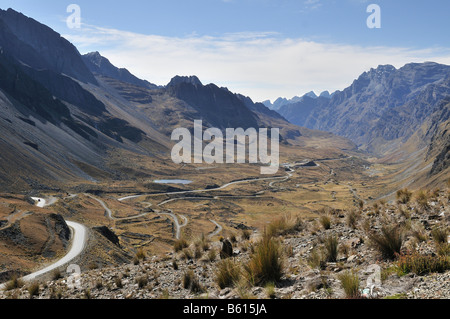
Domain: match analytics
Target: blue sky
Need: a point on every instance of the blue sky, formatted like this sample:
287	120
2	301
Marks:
261	48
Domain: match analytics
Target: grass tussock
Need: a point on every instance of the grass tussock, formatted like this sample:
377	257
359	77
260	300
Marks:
325	221
142	281
228	273
389	242
14	283
440	234
418	232
180	244
191	282
422	198
404	196
317	259
212	255
284	225
56	275
118	282
331	244
246	234
187	254
270	290
352	219
203	243
140	254
198	253
266	263
33	289
350	284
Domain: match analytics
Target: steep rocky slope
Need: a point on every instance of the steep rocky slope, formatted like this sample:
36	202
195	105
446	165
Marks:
39	47
310	267
100	65
382	105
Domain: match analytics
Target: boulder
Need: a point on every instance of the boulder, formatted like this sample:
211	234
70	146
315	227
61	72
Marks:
227	249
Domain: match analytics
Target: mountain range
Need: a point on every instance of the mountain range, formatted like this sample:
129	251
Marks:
280	102
385	111
63	114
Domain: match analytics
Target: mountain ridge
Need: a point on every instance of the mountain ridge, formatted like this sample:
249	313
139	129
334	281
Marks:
100	65
374	99
44	48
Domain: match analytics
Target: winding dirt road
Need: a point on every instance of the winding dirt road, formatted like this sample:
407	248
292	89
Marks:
219	228
217	231
79	239
176	223
282	178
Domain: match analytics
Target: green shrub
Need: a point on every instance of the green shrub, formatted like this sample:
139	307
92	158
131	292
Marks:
422	264
270	290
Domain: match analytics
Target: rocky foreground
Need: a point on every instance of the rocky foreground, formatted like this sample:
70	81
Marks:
338	255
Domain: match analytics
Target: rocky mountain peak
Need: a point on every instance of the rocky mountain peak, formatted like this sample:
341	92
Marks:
185	79
325	94
96	58
311	95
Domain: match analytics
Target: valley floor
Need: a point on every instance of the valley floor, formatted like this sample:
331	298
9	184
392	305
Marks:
151	222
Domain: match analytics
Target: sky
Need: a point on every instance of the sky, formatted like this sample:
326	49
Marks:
264	49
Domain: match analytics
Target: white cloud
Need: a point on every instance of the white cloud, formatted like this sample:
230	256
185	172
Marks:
260	65
312	4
